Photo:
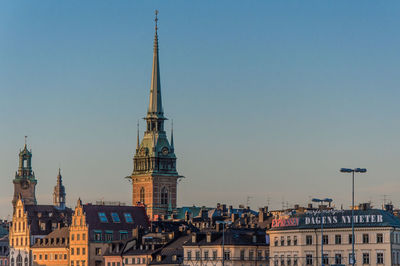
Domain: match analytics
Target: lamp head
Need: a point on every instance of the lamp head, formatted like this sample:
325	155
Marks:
346	170
360	170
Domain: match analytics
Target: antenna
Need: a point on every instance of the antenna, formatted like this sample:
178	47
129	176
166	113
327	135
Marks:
156	19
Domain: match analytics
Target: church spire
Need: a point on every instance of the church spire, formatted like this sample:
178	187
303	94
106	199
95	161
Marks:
59	192
155	104
172	136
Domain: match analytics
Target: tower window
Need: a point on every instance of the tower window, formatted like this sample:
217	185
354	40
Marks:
142	194
164	196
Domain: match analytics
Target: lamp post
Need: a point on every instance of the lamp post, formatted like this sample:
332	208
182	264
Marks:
223	238
355	170
322	227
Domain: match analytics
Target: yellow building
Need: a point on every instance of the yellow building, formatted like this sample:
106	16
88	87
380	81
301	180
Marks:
53	249
95	227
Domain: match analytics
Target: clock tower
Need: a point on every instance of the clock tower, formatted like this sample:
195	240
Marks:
24	181
154	177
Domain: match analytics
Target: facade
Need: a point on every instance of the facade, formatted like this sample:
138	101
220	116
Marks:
296	240
241	247
4	251
32	222
154	177
53	249
95	227
24	181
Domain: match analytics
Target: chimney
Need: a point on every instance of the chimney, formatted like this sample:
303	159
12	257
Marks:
234	217
310	205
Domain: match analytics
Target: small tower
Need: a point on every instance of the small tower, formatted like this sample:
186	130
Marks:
24	181
59	193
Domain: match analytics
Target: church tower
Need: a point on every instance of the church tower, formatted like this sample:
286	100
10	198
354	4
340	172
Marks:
154	176
24	181
59	193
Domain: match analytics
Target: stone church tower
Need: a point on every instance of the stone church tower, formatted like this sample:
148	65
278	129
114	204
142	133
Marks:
154	176
59	193
24	181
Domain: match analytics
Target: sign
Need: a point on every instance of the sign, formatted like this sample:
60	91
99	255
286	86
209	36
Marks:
285	222
343	219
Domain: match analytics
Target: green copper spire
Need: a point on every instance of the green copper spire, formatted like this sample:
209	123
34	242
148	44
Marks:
155	105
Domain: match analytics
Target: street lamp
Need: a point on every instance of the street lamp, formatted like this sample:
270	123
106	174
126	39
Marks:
322	227
356	170
223	238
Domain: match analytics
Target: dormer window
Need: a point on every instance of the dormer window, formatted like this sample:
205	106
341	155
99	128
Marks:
128	218
115	217
103	217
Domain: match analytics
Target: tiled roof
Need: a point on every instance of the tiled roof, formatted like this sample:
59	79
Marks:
47	215
174	248
138	214
57	238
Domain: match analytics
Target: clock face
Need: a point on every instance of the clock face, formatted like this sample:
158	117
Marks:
165	151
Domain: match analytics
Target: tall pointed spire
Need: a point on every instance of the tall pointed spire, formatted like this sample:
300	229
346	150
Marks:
155	105
172	136
59	192
137	141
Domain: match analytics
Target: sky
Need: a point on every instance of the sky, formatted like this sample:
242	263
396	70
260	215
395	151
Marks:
269	98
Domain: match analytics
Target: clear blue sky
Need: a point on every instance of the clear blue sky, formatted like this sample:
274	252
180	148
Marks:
269	98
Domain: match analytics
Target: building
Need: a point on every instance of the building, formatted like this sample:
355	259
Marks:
95	227
4	251
230	247
52	249
32	222
154	177
296	240
24	181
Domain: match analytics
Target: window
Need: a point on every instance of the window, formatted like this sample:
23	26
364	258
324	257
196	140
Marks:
242	254
295	240
365	258
138	260
83	251
164	196
142	195
206	255
350	239
227	255
276	262
289	241
115	217
72	263
282	260
338	240
103	217
308	240
365	238
72	251
251	255
189	255
338	258
78	236
78	251
309	259
128	218
289	261
351	256
325	240
259	255
83	236
123	235
19	260
275	241
282	241
295	260
108	236
325	259
379	258
98	251
215	255
97	235
197	255
379	238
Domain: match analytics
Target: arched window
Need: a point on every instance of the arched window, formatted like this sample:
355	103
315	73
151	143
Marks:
19	260
12	262
26	262
142	195
164	196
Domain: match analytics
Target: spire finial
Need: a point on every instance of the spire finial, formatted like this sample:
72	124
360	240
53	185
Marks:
137	142
156	19
172	134
26	137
